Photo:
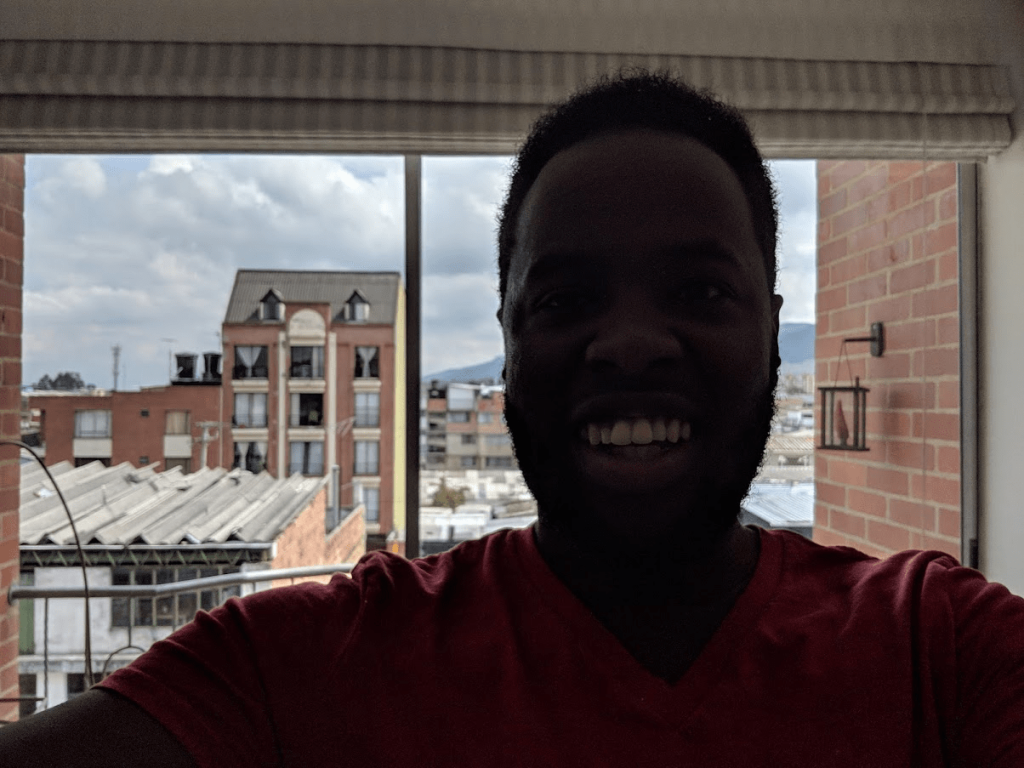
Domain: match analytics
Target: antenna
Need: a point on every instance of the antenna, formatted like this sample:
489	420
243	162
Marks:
170	357
117	363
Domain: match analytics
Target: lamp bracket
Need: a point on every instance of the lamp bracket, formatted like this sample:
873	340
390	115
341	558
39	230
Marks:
877	339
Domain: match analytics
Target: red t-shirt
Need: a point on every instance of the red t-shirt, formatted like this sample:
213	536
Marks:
482	657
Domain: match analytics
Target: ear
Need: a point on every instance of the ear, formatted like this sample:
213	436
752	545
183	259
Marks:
776	307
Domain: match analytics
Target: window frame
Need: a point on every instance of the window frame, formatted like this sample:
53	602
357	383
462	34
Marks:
92	434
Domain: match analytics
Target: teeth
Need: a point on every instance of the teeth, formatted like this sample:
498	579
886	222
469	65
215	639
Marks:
642	434
658	430
621	433
641	431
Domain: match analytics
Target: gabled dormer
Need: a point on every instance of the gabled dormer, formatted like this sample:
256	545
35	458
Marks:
272	307
356	309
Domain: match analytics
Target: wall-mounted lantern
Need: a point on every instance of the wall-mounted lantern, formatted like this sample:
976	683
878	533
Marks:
844	408
843	411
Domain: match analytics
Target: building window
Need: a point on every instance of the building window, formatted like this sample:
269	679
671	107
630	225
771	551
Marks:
81	461
367	362
250	409
144	413
92	423
367	457
485	417
461	417
27	687
469	462
307	363
498	462
177	423
356	309
76	684
306	458
468	439
307	410
367	409
371	498
497	441
251	457
143	461
170	610
250	362
184	464
271	306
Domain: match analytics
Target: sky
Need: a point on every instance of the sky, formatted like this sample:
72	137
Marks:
141	251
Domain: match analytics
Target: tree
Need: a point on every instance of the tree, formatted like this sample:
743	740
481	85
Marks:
65	381
448	497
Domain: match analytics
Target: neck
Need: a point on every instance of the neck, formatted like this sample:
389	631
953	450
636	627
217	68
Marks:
690	573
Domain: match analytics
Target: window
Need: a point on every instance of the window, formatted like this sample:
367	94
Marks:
367	457
306	458
307	410
270	306
356	309
250	409
92	423
250	456
367	362
143	461
27	687
144	413
367	409
250	363
170	610
496	441
485	417
184	464
468	439
469	462
461	417
81	461
499	462
371	498
76	684
177	423
307	363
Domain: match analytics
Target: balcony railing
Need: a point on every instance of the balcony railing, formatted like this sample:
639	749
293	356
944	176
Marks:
19	592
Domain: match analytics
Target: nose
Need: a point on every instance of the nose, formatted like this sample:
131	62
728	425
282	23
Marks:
633	339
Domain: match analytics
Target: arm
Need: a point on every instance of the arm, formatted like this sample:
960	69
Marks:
98	728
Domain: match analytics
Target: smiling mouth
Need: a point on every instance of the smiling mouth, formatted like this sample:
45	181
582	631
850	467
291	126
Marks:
640	431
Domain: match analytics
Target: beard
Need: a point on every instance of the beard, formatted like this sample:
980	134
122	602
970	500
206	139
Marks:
702	510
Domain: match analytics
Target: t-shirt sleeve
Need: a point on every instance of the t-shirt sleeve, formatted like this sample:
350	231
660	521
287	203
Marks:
989	626
223	684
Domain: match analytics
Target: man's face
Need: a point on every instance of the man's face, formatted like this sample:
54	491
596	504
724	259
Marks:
639	327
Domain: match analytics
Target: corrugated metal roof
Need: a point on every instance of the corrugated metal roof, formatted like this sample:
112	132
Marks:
125	505
782	506
380	289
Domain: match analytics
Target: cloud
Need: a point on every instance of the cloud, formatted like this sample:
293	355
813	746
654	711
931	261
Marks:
132	250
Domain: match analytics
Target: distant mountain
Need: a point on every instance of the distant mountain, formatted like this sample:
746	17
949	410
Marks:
796	348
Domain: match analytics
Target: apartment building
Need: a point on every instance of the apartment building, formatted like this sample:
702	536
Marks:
462	427
313	378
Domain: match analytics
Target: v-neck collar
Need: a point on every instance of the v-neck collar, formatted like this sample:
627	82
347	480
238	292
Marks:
626	678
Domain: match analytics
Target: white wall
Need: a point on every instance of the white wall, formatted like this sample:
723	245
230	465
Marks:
1001	514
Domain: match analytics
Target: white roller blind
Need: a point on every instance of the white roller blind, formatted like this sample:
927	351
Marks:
138	96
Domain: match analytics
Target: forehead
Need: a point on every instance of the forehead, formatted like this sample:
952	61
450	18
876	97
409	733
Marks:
632	193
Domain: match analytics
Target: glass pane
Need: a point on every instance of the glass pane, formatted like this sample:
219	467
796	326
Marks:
187	602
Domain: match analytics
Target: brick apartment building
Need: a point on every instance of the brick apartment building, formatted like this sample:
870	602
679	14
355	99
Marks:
308	382
462	428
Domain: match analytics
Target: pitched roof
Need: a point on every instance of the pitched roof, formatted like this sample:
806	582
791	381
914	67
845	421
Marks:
125	505
380	289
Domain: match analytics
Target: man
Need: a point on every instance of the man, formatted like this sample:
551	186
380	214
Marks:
638	623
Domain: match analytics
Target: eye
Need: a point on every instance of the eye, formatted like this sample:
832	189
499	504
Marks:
702	291
561	301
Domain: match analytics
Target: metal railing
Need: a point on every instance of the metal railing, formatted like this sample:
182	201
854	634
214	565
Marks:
19	592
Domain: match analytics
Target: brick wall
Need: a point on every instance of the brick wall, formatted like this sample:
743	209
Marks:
12	235
304	541
887	251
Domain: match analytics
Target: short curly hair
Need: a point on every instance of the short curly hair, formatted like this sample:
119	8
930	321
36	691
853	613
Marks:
652	101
